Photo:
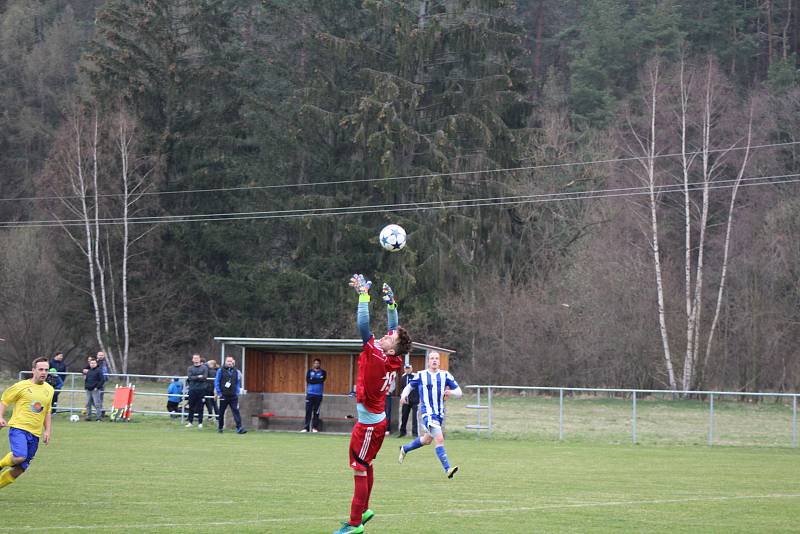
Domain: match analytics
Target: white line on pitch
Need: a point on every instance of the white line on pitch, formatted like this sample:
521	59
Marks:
140	526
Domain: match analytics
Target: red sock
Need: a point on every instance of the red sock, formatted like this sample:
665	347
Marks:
370	480
360	498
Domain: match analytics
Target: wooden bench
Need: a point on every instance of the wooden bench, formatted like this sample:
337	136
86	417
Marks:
271	421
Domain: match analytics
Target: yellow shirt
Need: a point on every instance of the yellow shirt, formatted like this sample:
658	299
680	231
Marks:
31	404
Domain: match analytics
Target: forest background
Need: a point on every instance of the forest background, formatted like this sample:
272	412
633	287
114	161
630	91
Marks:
597	192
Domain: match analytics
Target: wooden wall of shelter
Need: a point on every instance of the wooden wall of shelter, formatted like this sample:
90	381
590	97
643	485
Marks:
283	372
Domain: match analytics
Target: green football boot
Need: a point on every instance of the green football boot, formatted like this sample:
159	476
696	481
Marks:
366	516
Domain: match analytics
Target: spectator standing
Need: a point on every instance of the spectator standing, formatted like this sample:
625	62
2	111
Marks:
196	378
409	408
228	385
315	384
102	363
56	383
57	363
175	392
211	399
93	385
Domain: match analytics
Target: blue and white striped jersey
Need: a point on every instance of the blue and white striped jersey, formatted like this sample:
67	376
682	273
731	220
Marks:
431	390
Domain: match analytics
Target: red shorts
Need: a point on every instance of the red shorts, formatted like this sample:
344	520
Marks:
365	442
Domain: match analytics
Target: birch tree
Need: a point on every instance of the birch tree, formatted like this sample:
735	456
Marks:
691	142
75	163
134	173
647	144
98	179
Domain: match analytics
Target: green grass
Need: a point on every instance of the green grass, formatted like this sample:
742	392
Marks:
152	475
609	420
588	418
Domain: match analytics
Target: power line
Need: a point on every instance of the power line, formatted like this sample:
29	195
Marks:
417	206
407	177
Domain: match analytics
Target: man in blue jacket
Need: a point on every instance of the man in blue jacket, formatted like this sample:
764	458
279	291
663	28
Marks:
228	385
315	382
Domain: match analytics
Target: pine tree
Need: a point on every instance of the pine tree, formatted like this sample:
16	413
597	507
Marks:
397	90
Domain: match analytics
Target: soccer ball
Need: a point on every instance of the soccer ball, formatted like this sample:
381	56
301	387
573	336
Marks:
393	238
74	418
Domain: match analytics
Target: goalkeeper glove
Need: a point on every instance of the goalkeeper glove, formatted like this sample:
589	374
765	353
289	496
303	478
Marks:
360	284
388	295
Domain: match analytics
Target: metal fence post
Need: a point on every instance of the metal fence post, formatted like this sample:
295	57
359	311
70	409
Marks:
478	403
489	396
633	421
560	414
72	393
711	420
794	421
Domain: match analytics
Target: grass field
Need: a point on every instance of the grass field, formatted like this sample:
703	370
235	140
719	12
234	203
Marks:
587	418
152	475
658	420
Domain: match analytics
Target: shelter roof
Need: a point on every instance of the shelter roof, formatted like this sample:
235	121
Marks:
316	345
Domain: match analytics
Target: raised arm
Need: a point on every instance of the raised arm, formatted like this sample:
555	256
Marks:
391	307
362	285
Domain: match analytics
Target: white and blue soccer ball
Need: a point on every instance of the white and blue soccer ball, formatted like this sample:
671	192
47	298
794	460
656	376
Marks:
393	237
74	418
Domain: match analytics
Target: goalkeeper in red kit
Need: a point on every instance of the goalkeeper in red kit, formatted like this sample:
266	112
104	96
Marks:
377	370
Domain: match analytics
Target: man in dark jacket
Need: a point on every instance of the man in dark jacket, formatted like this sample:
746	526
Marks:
413	403
94	386
210	400
315	382
57	363
196	378
228	385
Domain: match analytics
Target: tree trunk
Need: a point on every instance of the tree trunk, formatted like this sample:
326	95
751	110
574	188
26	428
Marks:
769	33
651	180
686	162
726	249
89	252
537	50
124	145
697	304
102	339
785	41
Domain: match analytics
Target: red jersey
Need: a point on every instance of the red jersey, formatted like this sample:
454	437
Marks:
376	373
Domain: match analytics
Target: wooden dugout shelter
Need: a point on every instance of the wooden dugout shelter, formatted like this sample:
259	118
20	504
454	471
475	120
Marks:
274	372
279	365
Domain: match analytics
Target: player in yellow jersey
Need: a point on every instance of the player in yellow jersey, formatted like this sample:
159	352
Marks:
32	400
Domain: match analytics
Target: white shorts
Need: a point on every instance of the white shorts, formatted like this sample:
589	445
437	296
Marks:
432	424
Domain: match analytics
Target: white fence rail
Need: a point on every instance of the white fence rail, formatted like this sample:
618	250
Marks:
72	397
485	405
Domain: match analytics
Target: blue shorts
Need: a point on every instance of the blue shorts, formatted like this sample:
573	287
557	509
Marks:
23	445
